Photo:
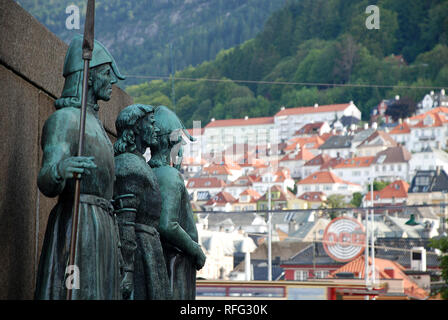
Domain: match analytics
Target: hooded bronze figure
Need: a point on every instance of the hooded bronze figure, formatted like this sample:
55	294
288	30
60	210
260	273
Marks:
183	254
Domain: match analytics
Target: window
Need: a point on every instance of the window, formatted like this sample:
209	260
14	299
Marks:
301	275
321	274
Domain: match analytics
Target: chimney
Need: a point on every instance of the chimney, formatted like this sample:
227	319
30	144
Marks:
366	126
442	92
418	259
316	105
432	92
400	121
213	119
390	272
397	97
282	108
351	103
246	118
374	126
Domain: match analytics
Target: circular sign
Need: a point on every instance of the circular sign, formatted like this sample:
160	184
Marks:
344	239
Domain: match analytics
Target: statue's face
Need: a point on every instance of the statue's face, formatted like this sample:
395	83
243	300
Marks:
149	131
102	82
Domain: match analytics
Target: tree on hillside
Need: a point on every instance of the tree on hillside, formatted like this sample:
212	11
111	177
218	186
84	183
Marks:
402	108
348	56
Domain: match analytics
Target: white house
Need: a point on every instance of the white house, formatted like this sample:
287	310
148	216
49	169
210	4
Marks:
236	187
281	178
289	120
355	170
425	130
221	134
375	143
432	100
392	164
329	183
295	160
428	159
220	202
201	186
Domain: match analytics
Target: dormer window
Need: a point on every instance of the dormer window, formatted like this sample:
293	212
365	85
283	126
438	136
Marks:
428	121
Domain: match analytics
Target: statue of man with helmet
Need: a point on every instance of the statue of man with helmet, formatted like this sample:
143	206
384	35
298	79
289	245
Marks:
97	259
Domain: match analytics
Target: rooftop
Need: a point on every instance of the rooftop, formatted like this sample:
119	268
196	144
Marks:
240	122
308	110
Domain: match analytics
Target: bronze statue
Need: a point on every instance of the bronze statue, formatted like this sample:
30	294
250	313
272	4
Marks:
97	257
183	254
138	203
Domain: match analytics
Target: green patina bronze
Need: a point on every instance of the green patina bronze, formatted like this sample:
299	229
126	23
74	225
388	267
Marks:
183	254
138	204
97	256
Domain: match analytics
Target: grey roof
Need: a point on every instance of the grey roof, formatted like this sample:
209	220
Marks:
282	249
398	250
284	217
337	142
235	219
362	135
303	230
349	120
429	181
313	254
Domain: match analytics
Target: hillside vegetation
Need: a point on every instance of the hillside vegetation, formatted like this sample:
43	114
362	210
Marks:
139	32
316	41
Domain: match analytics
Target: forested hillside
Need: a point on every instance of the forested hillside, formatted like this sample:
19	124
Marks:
139	32
317	41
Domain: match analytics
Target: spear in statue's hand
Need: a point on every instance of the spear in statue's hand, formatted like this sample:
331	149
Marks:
87	49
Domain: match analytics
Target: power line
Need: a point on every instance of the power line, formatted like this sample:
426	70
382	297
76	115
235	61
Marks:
312	84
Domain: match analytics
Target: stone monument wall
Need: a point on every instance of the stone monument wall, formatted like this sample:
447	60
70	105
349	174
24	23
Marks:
31	62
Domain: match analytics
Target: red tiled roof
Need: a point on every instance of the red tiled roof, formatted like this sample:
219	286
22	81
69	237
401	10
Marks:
307	110
199	131
310	128
193	161
357	267
303	154
402	128
316	141
252	193
312	196
221	199
397	189
318	160
284	196
240	122
323	177
205	182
